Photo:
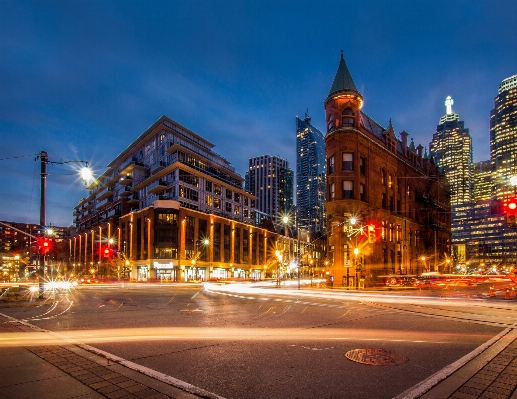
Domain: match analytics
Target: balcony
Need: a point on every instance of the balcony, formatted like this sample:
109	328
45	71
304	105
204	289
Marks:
106	202
125	180
113	213
157	166
134	199
157	186
131	164
125	192
106	193
89	205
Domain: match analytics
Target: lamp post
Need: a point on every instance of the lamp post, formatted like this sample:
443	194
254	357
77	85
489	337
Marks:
44	161
279	258
423	262
285	221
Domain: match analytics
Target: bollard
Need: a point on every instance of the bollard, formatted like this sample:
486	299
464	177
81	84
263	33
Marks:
507	295
491	292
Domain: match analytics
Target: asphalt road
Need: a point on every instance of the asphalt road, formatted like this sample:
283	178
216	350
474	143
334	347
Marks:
242	342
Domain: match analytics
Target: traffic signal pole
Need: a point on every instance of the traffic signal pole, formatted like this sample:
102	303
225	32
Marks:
42	218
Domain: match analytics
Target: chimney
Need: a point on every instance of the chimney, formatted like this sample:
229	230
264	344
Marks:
403	137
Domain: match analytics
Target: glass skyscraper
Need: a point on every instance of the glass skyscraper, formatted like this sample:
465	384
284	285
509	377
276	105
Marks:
310	176
451	148
503	137
270	179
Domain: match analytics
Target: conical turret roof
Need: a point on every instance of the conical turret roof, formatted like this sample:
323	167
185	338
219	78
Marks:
343	81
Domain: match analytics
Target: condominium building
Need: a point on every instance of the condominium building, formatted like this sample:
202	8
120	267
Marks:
270	180
174	209
310	177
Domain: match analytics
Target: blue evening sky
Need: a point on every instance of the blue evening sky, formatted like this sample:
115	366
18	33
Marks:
83	79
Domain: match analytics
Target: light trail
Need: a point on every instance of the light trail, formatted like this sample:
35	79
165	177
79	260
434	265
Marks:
185	334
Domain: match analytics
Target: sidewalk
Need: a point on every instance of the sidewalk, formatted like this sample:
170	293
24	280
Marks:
492	374
68	371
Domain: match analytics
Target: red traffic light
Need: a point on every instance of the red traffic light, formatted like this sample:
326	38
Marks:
510	205
44	245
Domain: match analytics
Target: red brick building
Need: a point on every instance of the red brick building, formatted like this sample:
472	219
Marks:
388	206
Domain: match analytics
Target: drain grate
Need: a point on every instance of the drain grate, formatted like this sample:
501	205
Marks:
376	357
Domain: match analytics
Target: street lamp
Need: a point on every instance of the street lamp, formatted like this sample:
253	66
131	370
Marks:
423	261
285	221
279	258
86	174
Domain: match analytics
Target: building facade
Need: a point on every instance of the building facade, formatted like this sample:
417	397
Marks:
310	177
169	208
270	180
451	148
388	207
491	245
503	138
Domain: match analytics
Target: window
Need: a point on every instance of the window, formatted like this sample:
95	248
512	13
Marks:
237	210
217	189
188	193
331	164
236	197
167	218
332	192
330	123
348	161
383	177
362	166
348	189
362	192
208	186
208	200
246	201
217	203
347	118
229	194
229	207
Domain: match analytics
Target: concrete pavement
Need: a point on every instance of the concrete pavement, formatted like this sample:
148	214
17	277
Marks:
68	371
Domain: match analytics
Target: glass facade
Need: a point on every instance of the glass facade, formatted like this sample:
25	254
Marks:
270	179
311	176
451	148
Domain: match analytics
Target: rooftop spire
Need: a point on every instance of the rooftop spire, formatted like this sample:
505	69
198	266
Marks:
343	80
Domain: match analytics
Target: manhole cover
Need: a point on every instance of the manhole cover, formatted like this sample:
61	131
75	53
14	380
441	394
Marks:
376	357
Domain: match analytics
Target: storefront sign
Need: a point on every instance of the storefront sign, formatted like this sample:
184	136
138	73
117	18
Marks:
157	265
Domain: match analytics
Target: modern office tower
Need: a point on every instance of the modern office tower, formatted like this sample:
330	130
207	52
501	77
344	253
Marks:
503	137
451	148
482	181
388	206
270	179
310	177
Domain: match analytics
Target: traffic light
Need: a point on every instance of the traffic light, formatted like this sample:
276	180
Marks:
510	210
106	252
371	233
44	245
